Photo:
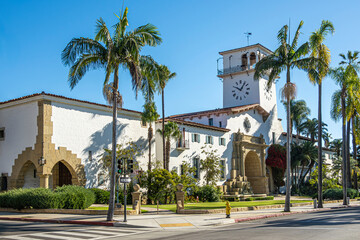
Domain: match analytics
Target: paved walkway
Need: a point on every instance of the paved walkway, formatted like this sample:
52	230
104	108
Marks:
165	220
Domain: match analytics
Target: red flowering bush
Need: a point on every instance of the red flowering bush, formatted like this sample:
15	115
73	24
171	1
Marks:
276	156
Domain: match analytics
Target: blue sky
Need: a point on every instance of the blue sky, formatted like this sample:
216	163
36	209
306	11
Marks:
33	34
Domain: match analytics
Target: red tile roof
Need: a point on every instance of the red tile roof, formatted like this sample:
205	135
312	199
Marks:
230	110
66	98
194	124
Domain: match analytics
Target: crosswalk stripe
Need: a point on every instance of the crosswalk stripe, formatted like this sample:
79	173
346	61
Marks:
103	232
18	237
52	236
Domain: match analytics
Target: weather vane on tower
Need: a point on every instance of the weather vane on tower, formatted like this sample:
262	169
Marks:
248	34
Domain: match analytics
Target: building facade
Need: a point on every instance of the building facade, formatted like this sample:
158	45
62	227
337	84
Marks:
48	140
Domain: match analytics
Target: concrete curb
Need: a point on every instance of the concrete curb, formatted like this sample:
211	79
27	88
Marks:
237	220
59	221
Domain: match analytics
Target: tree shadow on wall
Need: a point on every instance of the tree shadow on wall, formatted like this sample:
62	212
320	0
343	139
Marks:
98	141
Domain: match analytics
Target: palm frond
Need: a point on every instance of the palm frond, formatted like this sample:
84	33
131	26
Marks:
102	33
296	36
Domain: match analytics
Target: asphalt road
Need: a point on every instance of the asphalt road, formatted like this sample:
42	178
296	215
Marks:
334	224
329	225
29	230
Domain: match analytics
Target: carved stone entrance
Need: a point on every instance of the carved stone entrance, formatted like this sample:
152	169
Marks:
248	168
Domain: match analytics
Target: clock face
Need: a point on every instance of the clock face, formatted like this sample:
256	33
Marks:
267	92
241	90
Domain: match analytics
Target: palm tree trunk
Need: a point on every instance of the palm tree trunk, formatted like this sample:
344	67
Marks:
355	150
167	155
163	126
110	214
150	135
348	167
288	160
301	178
320	160
344	148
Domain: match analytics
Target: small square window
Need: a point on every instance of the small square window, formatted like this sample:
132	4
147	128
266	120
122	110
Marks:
223	169
211	122
220	124
90	156
222	142
196	161
209	140
195	137
2	134
143	123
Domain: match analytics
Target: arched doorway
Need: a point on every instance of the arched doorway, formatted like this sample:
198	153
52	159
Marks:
60	175
28	177
253	171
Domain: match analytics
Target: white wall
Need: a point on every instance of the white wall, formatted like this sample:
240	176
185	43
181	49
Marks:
195	149
82	129
20	122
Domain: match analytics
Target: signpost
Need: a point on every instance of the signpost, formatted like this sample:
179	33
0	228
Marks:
125	179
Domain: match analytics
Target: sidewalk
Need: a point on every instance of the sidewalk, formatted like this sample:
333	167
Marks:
167	220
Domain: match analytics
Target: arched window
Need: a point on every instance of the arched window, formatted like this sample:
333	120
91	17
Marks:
252	60
243	61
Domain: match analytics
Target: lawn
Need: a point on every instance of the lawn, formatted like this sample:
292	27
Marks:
215	205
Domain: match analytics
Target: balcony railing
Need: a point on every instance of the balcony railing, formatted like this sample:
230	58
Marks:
182	145
236	69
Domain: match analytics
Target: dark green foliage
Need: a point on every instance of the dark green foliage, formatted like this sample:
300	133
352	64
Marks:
259	198
337	193
101	196
209	193
75	197
72	197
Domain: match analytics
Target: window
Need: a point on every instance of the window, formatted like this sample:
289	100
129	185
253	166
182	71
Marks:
34	173
209	140
195	137
182	169
223	169
101	179
143	123
2	134
220	124
196	166
273	137
222	141
90	156
211	122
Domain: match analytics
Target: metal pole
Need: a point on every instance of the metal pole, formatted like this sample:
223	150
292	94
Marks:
125	193
117	190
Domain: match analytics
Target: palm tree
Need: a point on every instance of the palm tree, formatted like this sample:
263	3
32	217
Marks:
110	53
310	128
316	74
149	115
335	145
171	130
298	113
150	76
352	63
286	57
164	76
327	138
345	77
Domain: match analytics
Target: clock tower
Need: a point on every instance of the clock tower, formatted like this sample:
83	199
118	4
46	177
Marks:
239	86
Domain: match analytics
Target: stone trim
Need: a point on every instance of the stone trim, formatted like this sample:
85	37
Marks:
45	148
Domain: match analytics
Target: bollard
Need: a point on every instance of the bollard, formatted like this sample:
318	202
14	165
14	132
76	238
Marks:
315	203
228	209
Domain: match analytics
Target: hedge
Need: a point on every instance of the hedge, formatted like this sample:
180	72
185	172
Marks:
71	197
337	193
101	196
259	198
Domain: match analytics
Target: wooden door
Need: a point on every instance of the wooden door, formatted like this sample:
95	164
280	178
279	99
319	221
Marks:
64	175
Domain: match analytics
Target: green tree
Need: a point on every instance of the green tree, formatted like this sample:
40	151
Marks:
164	76
149	115
210	165
286	57
317	73
110	53
171	131
298	113
158	184
345	77
336	146
310	129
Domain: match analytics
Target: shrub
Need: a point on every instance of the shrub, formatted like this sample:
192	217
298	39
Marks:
74	197
101	196
209	193
259	198
337	193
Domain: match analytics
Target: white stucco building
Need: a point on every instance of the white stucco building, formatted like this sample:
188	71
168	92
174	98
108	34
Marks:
71	134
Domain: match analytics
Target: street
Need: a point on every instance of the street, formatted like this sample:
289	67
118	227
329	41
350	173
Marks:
330	224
